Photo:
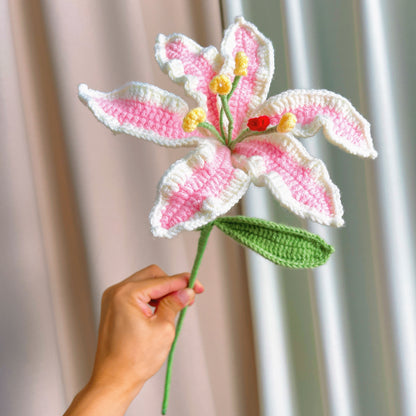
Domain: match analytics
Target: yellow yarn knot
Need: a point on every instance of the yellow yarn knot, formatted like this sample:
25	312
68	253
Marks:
193	118
287	123
241	64
220	84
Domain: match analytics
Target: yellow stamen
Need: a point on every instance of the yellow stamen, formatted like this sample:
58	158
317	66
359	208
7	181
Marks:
220	84
241	64
287	123
193	118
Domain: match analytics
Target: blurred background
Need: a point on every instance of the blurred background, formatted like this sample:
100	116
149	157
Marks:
339	340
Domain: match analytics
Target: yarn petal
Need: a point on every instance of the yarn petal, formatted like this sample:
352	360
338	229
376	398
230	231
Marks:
191	65
342	124
253	88
142	110
300	182
197	189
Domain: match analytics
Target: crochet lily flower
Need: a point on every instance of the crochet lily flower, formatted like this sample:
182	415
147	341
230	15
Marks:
240	137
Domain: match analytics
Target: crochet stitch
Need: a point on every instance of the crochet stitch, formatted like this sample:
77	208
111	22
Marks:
287	246
239	138
230	89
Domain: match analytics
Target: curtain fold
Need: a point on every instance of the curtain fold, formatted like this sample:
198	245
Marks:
75	211
340	340
349	325
30	362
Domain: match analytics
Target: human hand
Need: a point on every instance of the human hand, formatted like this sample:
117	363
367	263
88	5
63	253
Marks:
133	340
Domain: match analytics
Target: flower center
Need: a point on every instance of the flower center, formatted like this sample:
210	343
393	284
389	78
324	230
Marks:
221	84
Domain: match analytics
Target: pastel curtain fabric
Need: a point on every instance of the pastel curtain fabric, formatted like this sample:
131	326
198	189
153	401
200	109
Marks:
75	199
342	338
74	211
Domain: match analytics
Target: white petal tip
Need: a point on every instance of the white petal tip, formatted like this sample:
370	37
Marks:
338	222
161	232
366	154
155	225
83	92
160	38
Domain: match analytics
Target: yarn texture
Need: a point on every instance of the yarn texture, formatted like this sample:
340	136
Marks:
230	88
239	137
287	246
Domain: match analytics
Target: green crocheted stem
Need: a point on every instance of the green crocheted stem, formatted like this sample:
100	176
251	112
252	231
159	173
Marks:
287	246
202	243
212	129
247	133
225	108
227	111
222	124
234	86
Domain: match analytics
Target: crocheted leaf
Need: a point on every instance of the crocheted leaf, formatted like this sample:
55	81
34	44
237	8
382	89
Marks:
189	64
141	110
298	181
197	189
283	245
253	88
342	124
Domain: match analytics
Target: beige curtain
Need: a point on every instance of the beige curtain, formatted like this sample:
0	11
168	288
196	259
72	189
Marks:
74	211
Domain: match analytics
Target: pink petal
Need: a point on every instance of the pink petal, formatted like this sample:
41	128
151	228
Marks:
142	110
189	64
300	182
341	122
197	189
252	89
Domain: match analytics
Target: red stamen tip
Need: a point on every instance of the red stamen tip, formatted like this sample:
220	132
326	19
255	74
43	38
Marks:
258	123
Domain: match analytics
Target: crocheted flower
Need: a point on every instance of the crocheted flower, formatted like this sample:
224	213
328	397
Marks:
230	89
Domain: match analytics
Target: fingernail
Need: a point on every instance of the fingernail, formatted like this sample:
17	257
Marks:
185	296
198	287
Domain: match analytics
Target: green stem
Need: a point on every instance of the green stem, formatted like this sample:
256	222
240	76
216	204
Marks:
234	86
202	243
247	133
224	108
212	129
222	123
227	111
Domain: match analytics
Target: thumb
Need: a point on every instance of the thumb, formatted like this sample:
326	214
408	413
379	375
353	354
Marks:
171	305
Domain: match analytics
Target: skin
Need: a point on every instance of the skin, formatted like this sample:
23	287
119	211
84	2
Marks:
133	340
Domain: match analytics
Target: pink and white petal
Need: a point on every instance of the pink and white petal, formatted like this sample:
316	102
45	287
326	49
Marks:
342	124
253	88
197	189
142	110
192	66
300	182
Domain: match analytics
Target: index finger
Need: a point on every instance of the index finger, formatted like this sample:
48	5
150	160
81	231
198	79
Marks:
159	287
153	271
147	273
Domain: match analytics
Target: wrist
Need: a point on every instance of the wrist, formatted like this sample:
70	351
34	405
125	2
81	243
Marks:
116	390
105	399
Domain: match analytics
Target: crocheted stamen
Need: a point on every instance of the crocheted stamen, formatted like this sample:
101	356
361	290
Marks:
287	123
220	84
193	118
241	64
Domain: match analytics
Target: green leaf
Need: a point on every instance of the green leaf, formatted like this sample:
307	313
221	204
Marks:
283	245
